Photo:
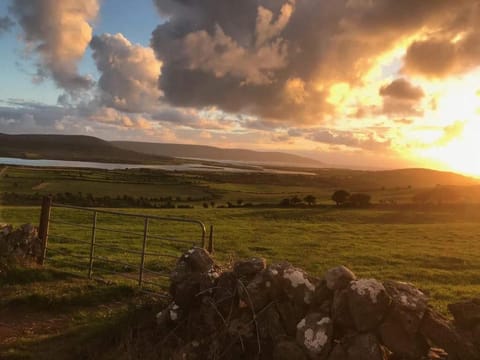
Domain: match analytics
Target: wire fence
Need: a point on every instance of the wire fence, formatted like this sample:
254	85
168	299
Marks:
112	245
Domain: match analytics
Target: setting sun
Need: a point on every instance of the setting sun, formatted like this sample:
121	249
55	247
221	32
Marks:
460	154
451	127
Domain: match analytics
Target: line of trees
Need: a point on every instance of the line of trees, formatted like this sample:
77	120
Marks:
344	198
295	200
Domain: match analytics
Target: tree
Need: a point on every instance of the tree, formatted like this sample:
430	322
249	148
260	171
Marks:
360	200
310	200
285	202
340	197
295	200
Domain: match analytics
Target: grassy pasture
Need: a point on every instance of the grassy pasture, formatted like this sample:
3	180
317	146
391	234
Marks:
439	251
55	309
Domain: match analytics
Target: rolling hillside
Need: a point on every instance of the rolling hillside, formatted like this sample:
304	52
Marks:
406	178
215	153
70	147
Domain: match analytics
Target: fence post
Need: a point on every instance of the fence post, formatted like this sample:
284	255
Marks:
144	248
43	227
210	241
92	244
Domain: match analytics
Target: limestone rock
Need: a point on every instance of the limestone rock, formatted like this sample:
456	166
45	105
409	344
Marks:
294	283
438	330
339	277
169	315
257	293
288	350
368	303
365	347
250	267
314	334
403	345
270	325
195	273
225	294
338	353
437	354
290	314
409	305
466	313
340	310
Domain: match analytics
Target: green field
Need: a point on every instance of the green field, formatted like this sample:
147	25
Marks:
436	247
439	251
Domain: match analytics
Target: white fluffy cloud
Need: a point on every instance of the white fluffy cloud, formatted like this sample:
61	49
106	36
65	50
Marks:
129	74
59	32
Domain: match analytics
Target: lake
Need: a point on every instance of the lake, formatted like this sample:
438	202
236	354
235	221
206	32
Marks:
114	166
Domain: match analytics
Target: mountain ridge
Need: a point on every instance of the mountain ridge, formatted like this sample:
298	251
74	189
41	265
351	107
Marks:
70	147
215	153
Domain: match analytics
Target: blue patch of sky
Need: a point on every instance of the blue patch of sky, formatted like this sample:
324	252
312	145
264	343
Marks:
135	19
16	72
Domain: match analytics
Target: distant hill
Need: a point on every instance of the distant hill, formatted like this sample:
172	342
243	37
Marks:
215	153
71	147
388	179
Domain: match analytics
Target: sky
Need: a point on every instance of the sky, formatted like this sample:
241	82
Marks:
364	83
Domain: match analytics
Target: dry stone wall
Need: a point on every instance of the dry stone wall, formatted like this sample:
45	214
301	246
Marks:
255	311
18	245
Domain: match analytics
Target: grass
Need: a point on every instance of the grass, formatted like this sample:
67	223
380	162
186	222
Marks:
56	309
438	250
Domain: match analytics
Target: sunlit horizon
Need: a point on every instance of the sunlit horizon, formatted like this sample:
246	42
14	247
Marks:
364	86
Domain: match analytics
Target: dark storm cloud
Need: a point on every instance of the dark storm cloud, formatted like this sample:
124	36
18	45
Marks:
5	24
243	55
402	89
401	98
59	33
451	49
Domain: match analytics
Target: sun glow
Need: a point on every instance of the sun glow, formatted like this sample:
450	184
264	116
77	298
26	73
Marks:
462	154
456	116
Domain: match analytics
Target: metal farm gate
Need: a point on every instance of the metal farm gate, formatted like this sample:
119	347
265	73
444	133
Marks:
115	245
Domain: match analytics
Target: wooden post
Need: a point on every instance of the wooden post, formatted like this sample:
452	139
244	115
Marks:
210	241
144	248
43	227
92	245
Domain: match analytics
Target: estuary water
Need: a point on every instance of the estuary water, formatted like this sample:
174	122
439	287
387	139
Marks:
116	166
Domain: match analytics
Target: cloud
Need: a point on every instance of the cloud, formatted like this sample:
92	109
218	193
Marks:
402	89
5	24
401	98
452	49
433	58
220	55
112	116
129	74
41	114
404	121
277	59
360	139
451	132
59	33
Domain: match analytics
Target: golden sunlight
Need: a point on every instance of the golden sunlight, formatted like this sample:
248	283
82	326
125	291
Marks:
462	153
457	147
